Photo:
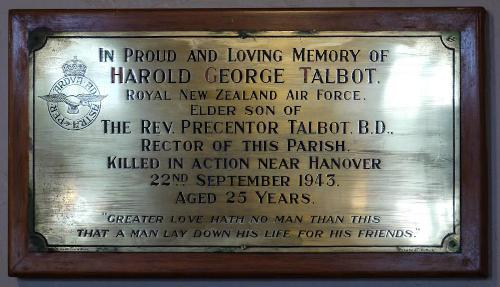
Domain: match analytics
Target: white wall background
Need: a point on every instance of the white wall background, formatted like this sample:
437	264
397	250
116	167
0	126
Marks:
493	122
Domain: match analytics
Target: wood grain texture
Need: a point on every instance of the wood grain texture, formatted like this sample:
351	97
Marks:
473	259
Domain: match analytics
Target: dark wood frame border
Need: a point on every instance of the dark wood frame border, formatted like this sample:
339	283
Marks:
473	259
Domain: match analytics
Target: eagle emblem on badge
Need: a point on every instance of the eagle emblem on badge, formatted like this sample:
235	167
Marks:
74	101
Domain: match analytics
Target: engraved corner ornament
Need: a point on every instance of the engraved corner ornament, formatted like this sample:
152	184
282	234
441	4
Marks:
74	101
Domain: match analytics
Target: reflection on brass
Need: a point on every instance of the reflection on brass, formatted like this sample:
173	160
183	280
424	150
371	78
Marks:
274	142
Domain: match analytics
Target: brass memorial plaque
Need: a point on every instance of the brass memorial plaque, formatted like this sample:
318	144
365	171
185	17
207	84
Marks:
246	142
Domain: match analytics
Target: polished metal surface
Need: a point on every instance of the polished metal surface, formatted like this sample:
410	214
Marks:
264	142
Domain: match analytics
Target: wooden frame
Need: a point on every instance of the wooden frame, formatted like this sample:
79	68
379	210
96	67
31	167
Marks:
471	261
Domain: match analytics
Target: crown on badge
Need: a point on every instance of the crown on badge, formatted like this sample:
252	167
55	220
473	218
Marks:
74	67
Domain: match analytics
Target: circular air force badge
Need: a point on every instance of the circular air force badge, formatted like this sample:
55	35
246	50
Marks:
74	101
